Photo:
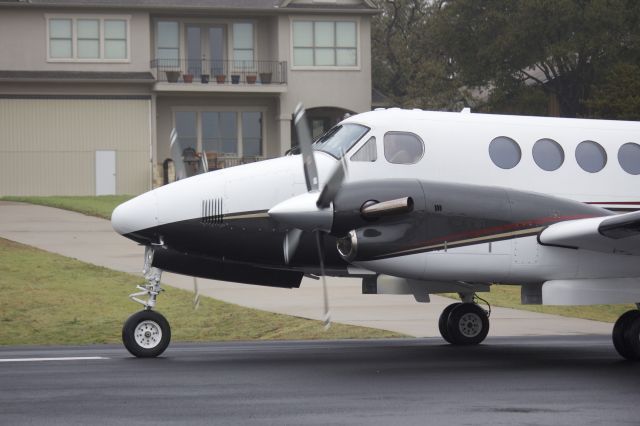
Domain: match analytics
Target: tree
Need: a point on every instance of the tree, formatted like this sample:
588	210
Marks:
408	65
562	47
618	95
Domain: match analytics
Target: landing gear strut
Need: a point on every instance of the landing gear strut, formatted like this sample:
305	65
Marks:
626	335
147	333
464	323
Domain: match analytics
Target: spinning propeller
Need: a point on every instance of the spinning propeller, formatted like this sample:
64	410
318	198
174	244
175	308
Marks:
176	153
310	212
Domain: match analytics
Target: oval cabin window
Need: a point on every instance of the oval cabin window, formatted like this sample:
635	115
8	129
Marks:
629	158
403	147
505	152
548	154
591	156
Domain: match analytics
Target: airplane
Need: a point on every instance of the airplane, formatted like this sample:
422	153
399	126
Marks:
411	202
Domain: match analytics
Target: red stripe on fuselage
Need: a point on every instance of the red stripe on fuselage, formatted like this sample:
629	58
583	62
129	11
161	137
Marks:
621	203
501	229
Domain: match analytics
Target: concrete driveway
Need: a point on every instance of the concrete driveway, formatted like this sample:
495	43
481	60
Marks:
92	240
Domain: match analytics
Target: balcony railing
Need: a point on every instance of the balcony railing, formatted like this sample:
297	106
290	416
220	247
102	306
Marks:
195	163
215	161
219	72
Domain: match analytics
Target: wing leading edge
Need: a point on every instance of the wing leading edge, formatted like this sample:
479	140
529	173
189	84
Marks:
609	234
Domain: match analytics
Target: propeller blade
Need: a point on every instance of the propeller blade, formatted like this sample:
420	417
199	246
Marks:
333	185
176	155
196	292
291	241
304	141
326	318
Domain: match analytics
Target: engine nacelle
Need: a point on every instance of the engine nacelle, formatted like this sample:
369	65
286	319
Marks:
413	216
382	202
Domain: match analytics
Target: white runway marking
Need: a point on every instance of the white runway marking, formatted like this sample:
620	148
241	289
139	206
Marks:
73	358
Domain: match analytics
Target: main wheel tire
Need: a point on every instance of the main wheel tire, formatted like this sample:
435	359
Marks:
632	338
146	334
468	324
620	327
444	318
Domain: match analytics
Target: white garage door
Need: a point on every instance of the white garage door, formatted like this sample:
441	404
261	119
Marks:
48	146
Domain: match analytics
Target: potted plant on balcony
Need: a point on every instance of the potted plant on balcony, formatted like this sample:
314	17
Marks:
204	78
251	78
265	77
235	78
172	76
188	78
221	78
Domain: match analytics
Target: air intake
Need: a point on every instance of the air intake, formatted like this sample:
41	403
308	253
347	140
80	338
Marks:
212	211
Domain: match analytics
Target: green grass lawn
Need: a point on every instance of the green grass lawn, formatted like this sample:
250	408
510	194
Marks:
100	206
50	299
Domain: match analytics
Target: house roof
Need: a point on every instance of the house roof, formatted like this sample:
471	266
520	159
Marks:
123	77
364	6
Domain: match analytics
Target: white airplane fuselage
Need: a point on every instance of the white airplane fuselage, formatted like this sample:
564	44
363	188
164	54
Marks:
495	215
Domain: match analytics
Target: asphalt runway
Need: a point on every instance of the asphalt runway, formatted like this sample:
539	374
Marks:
559	380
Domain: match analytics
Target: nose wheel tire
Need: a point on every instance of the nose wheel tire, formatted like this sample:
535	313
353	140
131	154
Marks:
466	324
146	334
626	335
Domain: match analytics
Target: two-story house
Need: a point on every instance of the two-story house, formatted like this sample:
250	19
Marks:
91	89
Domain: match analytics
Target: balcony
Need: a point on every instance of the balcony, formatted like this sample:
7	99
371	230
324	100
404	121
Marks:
184	75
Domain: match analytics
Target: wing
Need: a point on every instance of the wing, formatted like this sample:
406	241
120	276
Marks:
608	234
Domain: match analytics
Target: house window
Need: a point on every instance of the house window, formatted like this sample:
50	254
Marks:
325	44
168	43
60	38
115	39
186	126
251	134
219	132
243	43
88	39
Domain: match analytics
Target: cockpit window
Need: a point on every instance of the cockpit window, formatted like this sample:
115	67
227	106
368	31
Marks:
367	152
340	139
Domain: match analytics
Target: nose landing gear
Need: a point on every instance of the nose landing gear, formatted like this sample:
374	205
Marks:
147	333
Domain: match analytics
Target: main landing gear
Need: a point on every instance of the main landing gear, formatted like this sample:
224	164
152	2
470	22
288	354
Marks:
147	333
626	335
464	323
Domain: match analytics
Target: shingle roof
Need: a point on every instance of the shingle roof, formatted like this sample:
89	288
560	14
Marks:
141	77
248	5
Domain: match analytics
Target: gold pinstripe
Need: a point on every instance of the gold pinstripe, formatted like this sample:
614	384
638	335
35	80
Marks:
469	241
